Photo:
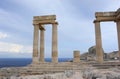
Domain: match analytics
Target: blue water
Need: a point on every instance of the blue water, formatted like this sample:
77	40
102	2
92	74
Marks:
18	62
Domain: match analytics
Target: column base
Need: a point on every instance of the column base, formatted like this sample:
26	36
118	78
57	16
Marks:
76	60
100	60
35	60
55	60
42	60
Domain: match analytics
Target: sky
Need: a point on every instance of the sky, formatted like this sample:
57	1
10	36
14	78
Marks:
75	30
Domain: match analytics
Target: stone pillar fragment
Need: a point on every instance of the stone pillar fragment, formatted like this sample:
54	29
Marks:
54	43
35	44
99	51
42	46
118	33
76	56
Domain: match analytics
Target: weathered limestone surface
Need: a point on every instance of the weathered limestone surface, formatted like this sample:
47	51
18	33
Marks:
44	22
76	56
35	44
42	46
118	33
91	73
54	44
105	16
101	17
46	17
85	73
38	22
38	69
99	51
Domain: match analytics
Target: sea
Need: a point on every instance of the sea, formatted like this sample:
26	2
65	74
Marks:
19	62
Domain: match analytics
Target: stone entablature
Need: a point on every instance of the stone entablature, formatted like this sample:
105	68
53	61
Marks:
107	16
47	19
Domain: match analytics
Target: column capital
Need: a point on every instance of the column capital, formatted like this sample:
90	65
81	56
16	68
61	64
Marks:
117	20
35	25
55	23
95	21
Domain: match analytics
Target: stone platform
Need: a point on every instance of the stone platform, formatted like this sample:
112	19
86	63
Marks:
42	68
51	68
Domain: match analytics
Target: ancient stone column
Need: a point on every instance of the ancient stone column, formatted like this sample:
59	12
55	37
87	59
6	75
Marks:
54	43
76	56
41	46
35	59
118	33
99	51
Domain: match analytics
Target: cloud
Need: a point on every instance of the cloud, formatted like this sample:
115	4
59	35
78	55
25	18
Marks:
3	35
13	22
16	26
75	18
26	49
14	48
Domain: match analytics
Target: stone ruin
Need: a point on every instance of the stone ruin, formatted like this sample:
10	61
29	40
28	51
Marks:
39	66
103	17
40	21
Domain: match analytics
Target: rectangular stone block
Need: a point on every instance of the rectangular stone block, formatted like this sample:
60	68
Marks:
44	22
76	56
45	17
105	14
111	18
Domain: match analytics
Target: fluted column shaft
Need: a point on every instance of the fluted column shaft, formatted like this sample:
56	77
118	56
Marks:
99	51
54	43
118	33
41	46
35	44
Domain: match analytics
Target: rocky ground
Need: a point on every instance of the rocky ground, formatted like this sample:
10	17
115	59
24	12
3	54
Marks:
91	55
86	73
110	69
